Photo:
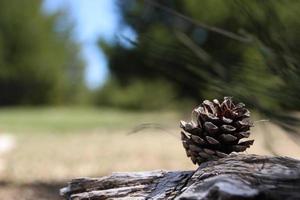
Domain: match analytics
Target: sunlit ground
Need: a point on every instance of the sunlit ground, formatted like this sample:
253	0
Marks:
53	145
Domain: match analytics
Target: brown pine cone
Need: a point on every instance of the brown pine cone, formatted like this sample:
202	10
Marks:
216	130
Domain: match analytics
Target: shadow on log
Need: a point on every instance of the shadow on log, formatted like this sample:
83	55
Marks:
232	178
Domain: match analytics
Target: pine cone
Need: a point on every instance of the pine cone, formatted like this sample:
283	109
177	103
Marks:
216	130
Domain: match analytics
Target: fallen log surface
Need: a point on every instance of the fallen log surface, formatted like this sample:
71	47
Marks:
237	176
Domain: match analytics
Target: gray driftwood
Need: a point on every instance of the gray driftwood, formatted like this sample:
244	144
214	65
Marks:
234	177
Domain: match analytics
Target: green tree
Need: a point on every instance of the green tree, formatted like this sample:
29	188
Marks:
213	48
39	62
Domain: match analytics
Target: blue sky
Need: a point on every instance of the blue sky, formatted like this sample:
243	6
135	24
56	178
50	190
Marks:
93	19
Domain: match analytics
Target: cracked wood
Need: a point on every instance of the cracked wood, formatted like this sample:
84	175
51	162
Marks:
237	176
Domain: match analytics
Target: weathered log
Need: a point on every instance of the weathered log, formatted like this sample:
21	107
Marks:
234	177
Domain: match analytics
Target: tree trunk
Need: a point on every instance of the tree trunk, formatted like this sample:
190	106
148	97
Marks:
234	177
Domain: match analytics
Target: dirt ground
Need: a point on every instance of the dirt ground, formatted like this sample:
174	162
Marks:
34	191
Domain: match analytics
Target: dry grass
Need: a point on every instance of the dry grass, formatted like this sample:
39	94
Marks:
59	156
53	157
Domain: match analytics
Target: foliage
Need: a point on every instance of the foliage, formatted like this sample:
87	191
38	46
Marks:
215	48
39	62
137	95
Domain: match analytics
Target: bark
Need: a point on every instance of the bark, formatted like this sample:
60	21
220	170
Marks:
235	177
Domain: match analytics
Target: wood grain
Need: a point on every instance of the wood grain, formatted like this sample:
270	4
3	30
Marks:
237	176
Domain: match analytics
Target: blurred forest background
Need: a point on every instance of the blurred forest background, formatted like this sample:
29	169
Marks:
183	52
192	51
